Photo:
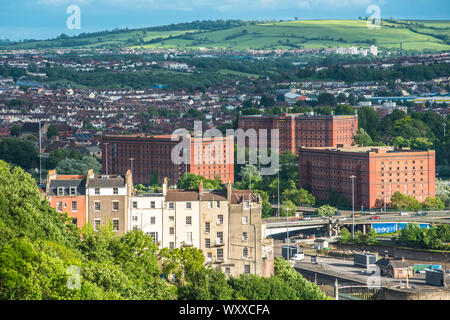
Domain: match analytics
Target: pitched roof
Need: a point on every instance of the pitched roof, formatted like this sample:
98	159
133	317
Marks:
237	196
217	195
181	195
110	182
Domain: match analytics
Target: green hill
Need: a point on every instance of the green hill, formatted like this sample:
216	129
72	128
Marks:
242	35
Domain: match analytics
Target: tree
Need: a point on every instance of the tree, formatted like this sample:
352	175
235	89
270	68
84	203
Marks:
250	173
344	109
288	208
52	132
18	152
326	211
400	201
362	138
60	154
299	197
326	99
154	178
432	204
15	131
346	236
190	181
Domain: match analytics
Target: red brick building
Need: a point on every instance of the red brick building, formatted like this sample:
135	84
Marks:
144	154
297	130
379	171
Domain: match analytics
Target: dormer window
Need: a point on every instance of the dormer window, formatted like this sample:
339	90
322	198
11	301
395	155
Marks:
73	191
60	191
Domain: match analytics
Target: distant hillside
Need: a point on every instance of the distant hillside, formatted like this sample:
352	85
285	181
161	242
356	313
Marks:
241	35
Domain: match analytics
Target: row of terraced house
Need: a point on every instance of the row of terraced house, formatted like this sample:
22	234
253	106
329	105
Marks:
225	224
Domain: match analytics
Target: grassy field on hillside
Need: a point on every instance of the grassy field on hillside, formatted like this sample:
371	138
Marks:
415	35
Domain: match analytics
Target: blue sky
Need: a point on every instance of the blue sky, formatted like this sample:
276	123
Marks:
43	19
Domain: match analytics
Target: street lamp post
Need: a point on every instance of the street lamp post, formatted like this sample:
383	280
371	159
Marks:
353	205
278	178
444	124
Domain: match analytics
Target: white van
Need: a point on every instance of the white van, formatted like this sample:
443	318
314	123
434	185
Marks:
403	213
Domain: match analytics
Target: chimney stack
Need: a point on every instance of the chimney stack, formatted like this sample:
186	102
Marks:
200	188
229	192
165	186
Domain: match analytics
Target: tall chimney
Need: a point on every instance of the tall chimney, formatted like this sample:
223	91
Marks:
229	192
165	186
200	188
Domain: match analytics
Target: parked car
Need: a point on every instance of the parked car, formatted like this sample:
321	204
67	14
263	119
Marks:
337	213
356	215
375	217
306	218
403	213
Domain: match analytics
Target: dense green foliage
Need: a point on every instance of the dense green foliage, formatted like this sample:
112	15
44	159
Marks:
416	130
44	256
401	201
81	166
432	238
18	152
190	181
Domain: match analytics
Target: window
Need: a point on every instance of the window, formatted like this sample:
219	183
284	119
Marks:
171	218
97	190
218	204
74	221
152	220
207	227
207	243
96	224
188	205
73	191
247	268
219	237
171	245
135	228
134	204
227	271
210	204
115	190
209	259
245	253
188	237
154	235
189	220
246	204
171	205
74	206
60	191
244	220
244	236
97	206
59	206
152	204
135	218
115	205
115	224
220	219
171	230
220	254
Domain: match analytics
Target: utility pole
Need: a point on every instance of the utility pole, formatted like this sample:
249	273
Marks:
106	156
353	205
